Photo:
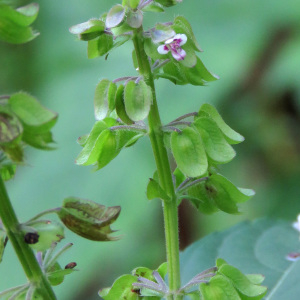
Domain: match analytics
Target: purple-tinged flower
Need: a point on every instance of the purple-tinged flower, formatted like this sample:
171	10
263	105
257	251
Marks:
174	45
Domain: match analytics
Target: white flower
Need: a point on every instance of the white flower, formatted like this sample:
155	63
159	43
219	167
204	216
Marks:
296	225
174	45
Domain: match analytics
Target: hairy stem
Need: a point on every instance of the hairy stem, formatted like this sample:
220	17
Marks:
25	254
163	169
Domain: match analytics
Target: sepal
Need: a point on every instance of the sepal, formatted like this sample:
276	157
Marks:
89	219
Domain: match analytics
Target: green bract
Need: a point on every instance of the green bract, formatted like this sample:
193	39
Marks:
189	153
14	23
48	233
88	30
137	100
216	146
115	16
89	219
104	100
230	135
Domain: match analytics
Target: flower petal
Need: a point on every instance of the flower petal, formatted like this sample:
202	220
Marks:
163	49
180	39
179	54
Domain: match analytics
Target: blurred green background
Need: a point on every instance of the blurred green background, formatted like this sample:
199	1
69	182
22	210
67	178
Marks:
254	46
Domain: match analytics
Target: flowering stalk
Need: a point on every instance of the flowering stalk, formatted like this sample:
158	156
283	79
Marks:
163	169
25	254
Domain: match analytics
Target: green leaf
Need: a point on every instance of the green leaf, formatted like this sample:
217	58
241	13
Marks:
241	282
137	100
39	140
190	60
104	98
135	18
35	117
198	75
253	252
161	33
221	197
11	129
14	23
174	72
195	295
121	289
88	30
13	33
154	7
168	3
120	106
189	153
238	195
216	146
143	272
121	30
200	196
115	16
22	16
99	142
56	274
48	233
163	270
231	136
89	219
100	46
154	190
181	25
218	288
7	170
256	278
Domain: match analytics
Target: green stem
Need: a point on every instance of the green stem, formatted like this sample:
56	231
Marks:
25	254
163	168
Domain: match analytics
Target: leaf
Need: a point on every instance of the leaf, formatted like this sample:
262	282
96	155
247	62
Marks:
135	18
7	170
104	99
121	289
241	282
173	71
200	196
249	246
115	16
238	195
88	30
181	25
216	146
218	288
98	141
231	136
120	106
154	190
89	219
154	7
137	100
100	46
189	153
48	233
39	140
198	75
56	275
14	23
35	117
22	16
